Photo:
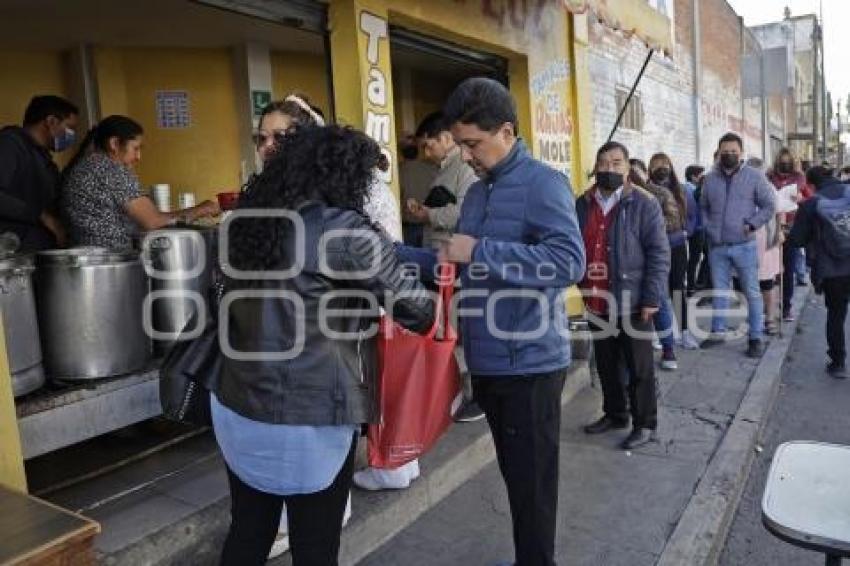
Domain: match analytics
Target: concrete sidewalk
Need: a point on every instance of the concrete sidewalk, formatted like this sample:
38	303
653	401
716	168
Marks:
668	503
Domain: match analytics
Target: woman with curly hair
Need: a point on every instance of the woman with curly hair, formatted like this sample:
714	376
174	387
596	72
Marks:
298	377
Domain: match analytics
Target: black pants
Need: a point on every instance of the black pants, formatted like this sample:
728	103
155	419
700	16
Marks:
524	414
836	291
698	258
315	521
790	257
676	281
625	355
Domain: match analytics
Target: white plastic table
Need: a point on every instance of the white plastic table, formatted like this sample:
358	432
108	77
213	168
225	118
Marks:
807	498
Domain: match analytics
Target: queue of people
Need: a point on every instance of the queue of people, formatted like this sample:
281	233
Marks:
640	244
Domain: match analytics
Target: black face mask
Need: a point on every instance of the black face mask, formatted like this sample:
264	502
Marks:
786	167
729	160
608	180
661	175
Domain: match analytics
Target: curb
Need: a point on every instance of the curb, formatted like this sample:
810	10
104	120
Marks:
701	531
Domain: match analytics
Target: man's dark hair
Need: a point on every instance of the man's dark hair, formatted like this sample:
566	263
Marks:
432	125
818	174
612	145
731	137
482	102
692	172
40	107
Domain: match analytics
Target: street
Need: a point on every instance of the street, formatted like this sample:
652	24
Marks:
811	406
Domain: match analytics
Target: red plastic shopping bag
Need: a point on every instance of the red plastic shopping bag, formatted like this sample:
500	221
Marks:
418	385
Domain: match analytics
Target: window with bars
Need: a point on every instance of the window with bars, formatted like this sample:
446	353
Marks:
633	116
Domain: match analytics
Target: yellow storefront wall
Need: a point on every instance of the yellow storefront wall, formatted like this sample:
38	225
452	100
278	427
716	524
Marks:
11	460
25	74
302	73
536	43
203	158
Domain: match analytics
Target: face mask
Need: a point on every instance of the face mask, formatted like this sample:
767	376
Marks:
661	175
786	167
729	160
64	140
609	181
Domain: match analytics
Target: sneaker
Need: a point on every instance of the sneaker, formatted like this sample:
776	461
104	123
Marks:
638	438
689	341
469	412
375	479
605	424
668	360
715	338
788	317
802	282
755	349
837	370
656	343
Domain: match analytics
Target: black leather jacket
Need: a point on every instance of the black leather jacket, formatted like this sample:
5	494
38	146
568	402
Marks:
331	379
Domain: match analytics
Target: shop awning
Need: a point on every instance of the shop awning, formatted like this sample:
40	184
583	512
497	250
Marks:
632	17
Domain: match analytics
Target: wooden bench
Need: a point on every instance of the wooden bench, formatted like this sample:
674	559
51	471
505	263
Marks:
34	532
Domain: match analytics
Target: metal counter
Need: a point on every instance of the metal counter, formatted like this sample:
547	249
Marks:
50	420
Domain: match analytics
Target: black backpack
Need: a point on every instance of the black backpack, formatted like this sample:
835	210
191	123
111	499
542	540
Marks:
834	224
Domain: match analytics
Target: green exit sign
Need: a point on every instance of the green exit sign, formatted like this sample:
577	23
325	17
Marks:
259	100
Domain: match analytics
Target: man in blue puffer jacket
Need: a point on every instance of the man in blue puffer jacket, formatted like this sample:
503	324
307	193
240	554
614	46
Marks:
519	239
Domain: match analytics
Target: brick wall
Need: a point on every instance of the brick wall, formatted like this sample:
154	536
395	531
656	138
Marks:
665	91
667	88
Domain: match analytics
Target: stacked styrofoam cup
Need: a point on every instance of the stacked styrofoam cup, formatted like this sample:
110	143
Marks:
161	195
185	200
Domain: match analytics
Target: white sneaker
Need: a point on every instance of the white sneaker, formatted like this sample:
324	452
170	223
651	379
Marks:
656	343
375	479
281	540
689	341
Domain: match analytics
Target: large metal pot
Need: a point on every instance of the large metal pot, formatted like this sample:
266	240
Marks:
179	262
90	313
17	304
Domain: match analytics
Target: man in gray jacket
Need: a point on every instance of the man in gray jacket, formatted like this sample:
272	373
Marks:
440	211
736	201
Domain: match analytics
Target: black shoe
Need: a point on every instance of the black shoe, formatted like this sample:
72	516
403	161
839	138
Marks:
604	425
715	338
638	438
836	370
755	349
469	412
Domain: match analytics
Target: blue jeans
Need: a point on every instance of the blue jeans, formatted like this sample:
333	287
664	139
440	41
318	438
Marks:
744	258
663	321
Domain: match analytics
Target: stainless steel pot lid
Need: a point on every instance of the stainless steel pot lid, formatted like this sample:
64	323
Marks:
85	256
16	263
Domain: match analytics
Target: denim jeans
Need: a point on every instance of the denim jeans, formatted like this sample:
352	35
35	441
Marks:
663	321
744	259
